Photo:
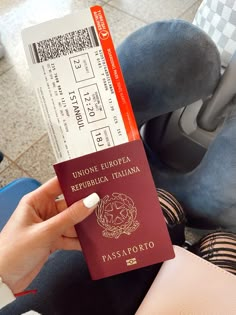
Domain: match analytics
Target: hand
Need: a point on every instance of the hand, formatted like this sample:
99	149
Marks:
40	225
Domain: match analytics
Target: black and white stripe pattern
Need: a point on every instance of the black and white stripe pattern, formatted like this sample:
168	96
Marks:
219	248
172	210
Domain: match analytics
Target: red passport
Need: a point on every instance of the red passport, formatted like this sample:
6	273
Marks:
127	231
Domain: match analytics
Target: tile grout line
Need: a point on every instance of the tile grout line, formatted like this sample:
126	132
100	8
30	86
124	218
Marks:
14	161
30	147
188	9
144	21
5	71
126	13
14	164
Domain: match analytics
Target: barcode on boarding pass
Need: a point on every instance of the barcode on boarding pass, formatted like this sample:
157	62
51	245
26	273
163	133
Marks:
63	45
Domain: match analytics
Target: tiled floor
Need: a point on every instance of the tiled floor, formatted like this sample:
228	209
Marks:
23	137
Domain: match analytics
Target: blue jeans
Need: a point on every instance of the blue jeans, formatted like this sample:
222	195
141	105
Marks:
65	288
64	285
166	66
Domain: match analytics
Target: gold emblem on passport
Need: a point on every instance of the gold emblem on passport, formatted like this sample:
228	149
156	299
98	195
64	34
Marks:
117	215
131	262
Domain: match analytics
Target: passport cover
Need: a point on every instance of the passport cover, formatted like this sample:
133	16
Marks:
127	231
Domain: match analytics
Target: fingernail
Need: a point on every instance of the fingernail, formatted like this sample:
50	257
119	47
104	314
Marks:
91	201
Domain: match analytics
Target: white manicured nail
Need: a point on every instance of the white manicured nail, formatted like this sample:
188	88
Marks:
91	201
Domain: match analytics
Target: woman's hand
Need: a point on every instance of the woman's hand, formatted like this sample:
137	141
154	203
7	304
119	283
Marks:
40	225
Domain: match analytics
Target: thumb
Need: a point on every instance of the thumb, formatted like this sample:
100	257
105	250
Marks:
74	214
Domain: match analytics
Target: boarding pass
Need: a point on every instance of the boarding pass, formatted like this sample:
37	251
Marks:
79	84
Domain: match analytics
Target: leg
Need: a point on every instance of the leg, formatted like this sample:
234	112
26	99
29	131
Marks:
174	216
218	248
208	192
168	65
65	287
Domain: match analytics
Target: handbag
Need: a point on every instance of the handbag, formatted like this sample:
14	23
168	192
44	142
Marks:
190	285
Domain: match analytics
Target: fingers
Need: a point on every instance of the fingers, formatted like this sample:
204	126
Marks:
70	244
51	188
67	243
74	214
61	205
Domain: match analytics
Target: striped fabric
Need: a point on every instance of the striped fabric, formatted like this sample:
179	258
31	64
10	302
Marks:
172	210
219	248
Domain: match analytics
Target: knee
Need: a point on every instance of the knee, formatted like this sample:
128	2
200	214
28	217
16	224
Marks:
174	58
